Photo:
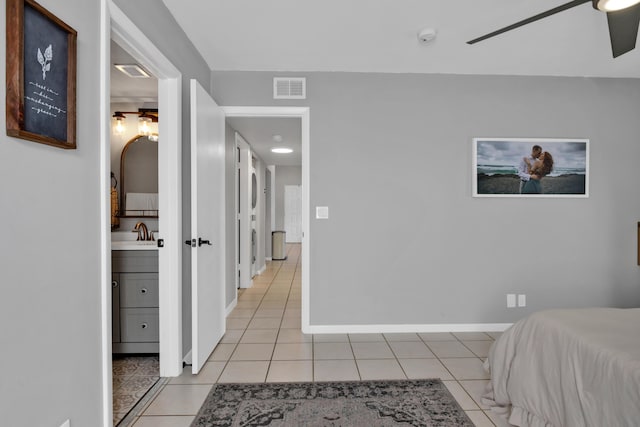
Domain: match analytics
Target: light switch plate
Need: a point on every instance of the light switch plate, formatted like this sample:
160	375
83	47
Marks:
511	300
322	212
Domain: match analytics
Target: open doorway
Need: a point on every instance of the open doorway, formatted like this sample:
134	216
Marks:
169	214
134	225
255	116
260	176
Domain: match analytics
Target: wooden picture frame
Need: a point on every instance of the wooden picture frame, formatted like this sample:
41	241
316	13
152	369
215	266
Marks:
41	76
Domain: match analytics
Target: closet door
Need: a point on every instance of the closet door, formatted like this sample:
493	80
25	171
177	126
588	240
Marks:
293	213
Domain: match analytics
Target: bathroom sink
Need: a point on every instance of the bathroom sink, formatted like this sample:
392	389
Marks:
126	241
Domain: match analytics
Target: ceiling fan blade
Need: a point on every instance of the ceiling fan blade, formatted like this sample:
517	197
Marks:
534	18
623	29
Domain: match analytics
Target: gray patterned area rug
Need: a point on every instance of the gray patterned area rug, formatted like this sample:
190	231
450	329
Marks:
332	404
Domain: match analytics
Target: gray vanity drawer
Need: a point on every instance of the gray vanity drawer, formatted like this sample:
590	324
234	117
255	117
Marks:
139	325
134	261
138	290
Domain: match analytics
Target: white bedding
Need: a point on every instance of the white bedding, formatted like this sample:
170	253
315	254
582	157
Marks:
568	368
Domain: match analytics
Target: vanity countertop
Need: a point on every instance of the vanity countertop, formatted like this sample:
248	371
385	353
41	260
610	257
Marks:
126	241
133	245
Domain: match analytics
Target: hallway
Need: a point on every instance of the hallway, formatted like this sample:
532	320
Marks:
264	343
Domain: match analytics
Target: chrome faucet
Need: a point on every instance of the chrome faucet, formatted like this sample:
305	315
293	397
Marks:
143	231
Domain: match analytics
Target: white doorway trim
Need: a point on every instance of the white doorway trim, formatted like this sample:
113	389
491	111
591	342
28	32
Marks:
243	230
303	113
117	26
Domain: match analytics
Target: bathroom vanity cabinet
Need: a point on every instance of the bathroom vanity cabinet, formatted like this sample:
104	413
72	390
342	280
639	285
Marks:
135	301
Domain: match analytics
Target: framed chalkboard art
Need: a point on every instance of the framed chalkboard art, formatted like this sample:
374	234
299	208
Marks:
41	75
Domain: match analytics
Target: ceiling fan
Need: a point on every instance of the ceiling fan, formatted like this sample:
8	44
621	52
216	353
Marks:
623	17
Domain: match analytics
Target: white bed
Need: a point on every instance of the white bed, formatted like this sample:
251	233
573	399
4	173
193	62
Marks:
568	368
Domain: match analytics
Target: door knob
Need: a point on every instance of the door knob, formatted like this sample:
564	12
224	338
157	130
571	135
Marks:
191	243
203	242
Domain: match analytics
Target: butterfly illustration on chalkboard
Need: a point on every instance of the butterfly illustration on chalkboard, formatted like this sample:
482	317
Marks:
45	60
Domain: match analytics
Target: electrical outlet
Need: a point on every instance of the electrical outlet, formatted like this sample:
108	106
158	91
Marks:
522	300
511	300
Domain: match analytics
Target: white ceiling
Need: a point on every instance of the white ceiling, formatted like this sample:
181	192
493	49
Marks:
380	36
127	89
259	133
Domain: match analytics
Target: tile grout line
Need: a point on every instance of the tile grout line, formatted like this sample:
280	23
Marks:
463	387
449	371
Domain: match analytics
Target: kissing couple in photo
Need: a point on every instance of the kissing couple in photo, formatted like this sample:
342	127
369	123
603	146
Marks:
533	168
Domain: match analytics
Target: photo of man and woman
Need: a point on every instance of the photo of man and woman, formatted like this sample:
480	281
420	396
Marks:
530	167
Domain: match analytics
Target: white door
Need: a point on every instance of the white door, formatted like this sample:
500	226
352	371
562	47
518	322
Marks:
207	225
293	213
244	212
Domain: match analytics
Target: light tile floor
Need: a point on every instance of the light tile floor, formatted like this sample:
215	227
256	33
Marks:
264	343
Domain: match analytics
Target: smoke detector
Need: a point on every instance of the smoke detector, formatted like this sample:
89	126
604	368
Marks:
427	35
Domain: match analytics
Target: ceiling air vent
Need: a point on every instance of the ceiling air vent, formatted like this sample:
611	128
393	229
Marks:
133	70
289	88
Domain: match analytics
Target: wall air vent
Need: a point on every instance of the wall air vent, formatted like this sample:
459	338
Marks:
289	88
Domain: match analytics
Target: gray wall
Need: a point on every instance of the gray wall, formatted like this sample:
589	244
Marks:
407	244
155	21
285	175
50	254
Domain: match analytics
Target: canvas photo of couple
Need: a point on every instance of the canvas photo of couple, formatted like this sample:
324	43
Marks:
530	167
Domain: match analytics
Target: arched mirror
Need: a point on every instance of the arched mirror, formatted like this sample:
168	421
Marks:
139	177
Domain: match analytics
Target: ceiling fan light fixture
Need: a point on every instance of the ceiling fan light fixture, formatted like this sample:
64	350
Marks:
613	5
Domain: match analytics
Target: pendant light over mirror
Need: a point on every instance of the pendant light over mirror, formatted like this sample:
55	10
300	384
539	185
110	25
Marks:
146	118
144	125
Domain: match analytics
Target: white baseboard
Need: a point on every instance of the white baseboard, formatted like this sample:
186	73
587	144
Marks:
268	259
264	267
188	358
371	329
231	307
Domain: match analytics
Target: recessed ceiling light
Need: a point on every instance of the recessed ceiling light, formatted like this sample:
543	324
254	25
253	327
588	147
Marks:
133	70
281	150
